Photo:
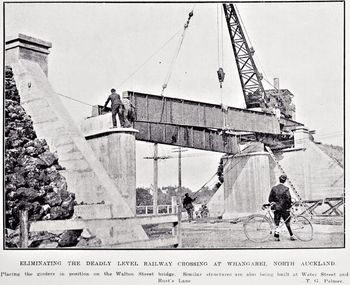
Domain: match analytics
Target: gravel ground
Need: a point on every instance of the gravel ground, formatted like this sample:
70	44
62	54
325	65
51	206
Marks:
223	234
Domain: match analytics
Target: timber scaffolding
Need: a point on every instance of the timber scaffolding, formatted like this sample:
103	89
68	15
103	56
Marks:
204	126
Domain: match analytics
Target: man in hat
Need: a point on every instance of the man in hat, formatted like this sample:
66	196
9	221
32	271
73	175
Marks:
282	200
187	204
117	108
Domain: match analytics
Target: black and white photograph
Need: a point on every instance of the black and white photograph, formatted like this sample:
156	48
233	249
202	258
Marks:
172	129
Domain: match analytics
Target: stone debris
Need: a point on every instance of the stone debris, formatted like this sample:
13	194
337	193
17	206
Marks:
69	238
89	243
86	234
43	239
32	177
87	239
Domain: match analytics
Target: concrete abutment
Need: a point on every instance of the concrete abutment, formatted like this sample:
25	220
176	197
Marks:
85	167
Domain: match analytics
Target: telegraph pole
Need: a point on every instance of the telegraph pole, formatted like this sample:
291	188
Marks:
179	150
180	180
155	158
155	180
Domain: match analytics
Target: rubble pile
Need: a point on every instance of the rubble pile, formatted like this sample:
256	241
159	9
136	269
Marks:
32	177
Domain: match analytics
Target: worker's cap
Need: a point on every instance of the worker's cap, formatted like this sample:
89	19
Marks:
283	177
186	194
112	90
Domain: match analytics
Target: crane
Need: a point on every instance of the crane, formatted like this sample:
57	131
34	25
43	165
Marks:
279	100
253	90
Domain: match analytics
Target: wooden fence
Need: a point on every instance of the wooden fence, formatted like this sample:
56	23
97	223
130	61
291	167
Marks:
328	207
161	210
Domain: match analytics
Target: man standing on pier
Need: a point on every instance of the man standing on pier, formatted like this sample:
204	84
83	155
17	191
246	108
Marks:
117	108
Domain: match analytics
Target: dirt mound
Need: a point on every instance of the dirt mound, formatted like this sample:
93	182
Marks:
333	151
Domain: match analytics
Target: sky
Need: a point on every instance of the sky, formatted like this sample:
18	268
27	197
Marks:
98	46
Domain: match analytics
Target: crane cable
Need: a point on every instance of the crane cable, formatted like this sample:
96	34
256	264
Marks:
232	166
220	46
172	64
171	69
220	72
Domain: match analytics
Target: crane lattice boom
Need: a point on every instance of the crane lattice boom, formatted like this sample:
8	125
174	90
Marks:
253	90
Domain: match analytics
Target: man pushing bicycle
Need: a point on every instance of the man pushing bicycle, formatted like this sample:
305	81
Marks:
282	202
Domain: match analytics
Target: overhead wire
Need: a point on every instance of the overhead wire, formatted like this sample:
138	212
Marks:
242	24
149	58
73	99
132	74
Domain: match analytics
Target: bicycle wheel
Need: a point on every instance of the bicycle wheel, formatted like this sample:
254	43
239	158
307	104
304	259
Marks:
302	228
258	228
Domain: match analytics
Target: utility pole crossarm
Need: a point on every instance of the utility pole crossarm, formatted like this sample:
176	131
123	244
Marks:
253	90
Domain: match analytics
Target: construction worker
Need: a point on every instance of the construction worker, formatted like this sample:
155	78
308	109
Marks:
277	112
282	202
117	108
187	204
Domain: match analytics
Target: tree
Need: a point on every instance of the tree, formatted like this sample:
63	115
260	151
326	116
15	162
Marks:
143	197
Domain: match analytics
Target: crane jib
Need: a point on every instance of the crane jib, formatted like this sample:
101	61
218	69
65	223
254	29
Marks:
254	92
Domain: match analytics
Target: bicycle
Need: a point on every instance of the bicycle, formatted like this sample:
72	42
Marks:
258	227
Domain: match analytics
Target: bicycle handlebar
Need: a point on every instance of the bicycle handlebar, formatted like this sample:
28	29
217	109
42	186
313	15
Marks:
268	205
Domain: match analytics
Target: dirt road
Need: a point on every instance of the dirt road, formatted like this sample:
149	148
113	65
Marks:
224	234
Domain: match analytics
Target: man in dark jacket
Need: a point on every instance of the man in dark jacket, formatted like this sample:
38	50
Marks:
117	108
187	204
280	195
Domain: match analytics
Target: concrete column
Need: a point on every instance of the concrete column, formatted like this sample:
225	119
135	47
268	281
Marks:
28	48
116	150
247	184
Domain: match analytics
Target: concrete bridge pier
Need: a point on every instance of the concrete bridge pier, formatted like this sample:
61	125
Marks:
247	184
116	150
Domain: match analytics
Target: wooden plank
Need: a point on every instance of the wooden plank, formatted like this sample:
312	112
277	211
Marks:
61	225
24	228
170	218
57	225
151	243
